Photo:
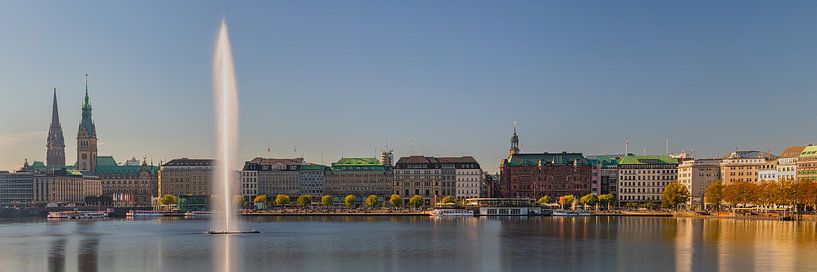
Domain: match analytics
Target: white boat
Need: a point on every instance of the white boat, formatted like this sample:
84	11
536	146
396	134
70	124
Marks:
198	213
561	212
143	213
77	215
452	212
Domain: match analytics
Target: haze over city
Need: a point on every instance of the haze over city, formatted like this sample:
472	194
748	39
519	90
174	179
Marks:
448	77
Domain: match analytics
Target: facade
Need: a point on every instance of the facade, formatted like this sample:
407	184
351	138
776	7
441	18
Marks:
360	177
642	178
128	184
65	186
743	166
186	177
311	179
86	137
490	186
807	164
787	163
16	188
387	158
271	177
696	175
768	171
55	145
604	174
434	178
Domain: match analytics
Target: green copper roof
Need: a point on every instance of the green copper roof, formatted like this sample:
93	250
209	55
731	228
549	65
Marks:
105	161
313	167
809	151
602	160
358	164
38	165
106	165
534	159
73	172
648	159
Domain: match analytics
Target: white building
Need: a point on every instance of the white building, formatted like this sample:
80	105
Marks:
787	163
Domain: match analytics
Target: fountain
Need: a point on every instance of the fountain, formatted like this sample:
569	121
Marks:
225	180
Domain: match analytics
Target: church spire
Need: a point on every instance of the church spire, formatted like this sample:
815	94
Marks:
514	141
87	103
55	144
86	136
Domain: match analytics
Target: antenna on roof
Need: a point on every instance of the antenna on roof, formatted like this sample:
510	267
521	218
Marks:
667	146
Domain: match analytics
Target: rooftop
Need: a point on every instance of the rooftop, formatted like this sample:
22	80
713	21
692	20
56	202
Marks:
792	151
648	159
534	159
190	162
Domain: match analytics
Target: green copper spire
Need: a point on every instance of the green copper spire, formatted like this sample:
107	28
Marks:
87	103
86	126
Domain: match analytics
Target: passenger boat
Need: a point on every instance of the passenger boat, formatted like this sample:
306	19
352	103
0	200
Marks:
143	213
452	212
77	215
198	213
561	212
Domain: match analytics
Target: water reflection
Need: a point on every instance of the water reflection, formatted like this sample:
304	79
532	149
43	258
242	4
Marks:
56	255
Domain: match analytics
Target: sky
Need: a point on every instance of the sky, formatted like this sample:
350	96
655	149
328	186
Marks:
325	79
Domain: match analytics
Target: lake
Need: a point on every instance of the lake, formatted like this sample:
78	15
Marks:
417	244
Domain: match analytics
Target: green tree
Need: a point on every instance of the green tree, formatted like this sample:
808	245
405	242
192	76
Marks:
567	200
415	201
304	200
543	200
674	194
371	201
326	200
589	199
714	194
396	200
349	200
607	199
262	198
281	199
169	199
449	199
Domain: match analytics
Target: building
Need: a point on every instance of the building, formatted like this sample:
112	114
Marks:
743	166
360	177
186	177
434	178
604	174
787	163
311	179
55	144
490	186
696	175
807	164
768	171
387	158
128	184
642	178
271	177
16	188
86	137
65	187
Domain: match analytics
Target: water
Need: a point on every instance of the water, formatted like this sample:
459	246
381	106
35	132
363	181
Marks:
225	100
413	244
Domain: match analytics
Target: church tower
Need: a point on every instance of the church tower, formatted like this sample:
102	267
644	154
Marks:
55	154
514	141
86	136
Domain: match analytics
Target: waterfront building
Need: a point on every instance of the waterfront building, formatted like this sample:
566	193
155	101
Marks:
55	144
16	188
65	187
642	178
787	163
533	175
434	178
129	183
604	174
271	177
490	186
696	175
86	137
807	164
360	177
768	171
311	179
186	177
743	166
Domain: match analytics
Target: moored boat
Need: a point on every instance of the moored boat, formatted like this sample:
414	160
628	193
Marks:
77	215
143	213
452	212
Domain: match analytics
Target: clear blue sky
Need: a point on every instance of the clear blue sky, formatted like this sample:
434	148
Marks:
450	76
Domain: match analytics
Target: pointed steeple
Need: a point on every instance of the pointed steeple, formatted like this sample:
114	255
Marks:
87	102
55	115
55	144
86	136
514	141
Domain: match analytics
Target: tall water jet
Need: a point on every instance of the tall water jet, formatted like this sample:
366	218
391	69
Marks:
225	97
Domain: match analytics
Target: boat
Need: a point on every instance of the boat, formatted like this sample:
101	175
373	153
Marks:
561	212
198	213
143	213
77	215
452	212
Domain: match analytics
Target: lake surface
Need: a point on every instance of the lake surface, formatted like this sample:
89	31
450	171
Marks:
417	244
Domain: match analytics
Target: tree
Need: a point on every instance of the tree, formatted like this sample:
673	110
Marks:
714	193
674	194
607	199
304	200
169	199
326	200
649	205
415	201
567	200
589	199
396	200
262	198
739	192
809	193
449	199
371	201
282	199
543	200
349	200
